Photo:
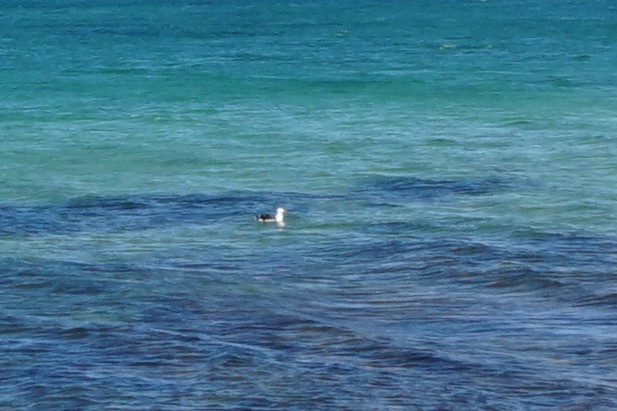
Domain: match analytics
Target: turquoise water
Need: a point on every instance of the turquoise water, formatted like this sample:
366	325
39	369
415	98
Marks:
450	171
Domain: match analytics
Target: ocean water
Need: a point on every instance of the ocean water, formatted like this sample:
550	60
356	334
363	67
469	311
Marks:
449	170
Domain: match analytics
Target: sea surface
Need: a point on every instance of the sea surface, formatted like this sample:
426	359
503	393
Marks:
449	170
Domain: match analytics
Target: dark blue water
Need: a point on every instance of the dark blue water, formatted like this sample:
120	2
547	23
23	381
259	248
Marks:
450	175
317	314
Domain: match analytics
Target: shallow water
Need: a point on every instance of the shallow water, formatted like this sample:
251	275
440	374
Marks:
450	176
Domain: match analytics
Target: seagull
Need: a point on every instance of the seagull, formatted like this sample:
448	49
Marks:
269	218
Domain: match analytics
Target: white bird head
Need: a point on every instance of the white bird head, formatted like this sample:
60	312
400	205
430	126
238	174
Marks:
279	214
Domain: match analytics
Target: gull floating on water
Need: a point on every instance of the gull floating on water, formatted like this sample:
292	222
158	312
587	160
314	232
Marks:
269	218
